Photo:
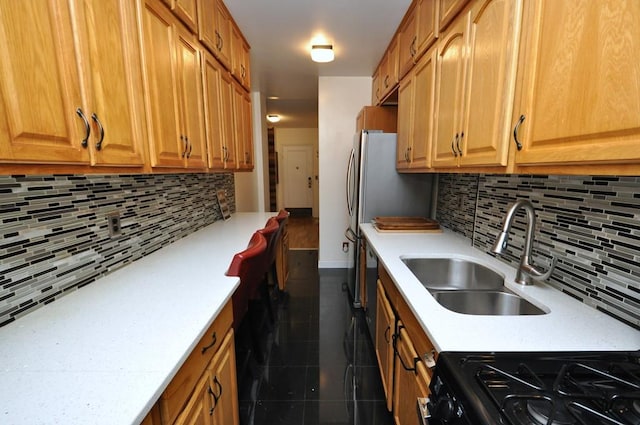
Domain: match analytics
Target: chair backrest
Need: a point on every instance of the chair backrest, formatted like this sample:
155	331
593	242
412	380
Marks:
282	216
250	265
271	234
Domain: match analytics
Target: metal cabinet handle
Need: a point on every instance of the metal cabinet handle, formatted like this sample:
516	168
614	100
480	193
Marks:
87	128
412	47
386	81
453	148
458	144
213	342
413	369
215	396
190	149
386	334
186	145
100	128
515	133
407	155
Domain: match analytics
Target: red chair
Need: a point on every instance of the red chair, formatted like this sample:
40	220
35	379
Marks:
271	234
250	266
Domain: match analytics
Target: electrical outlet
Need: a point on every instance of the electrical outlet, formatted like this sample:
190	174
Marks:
113	221
345	246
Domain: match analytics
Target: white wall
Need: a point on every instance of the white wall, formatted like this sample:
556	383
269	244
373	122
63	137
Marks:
339	101
297	136
252	188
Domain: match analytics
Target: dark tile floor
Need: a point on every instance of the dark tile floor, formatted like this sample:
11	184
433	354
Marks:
320	366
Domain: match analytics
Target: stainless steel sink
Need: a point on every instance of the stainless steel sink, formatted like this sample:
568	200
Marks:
469	288
453	273
492	303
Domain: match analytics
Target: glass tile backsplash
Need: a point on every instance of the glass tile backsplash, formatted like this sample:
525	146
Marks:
54	236
591	223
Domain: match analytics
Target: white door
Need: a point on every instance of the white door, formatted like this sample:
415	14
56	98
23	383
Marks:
298	176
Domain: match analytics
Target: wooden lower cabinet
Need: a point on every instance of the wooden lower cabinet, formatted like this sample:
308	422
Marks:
215	399
411	378
204	391
402	349
385	325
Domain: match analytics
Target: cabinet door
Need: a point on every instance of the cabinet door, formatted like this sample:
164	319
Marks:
405	383
198	410
190	75
405	119
223	34
187	11
449	89
580	90
242	125
375	87
162	86
385	328
207	23
490	83
39	84
424	76
229	154
224	385
212	79
113	80
448	10
390	62
426	25
407	43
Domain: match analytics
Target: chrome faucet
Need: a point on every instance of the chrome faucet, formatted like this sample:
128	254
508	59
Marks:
526	271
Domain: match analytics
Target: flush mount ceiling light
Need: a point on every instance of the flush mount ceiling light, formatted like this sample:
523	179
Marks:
322	53
273	117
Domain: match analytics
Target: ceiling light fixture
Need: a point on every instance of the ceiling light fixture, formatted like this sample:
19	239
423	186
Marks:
322	53
273	117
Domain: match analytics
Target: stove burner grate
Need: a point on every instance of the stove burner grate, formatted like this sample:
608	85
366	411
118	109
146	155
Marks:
573	393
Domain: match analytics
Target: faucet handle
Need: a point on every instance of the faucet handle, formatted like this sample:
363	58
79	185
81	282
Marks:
536	273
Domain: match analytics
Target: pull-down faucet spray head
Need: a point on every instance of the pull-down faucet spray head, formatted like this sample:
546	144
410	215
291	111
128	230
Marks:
501	243
526	271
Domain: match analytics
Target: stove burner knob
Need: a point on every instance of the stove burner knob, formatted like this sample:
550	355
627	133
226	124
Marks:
445	409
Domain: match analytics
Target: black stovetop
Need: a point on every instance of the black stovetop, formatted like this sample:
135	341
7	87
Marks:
562	388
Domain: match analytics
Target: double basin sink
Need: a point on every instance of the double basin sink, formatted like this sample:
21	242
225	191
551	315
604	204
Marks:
469	288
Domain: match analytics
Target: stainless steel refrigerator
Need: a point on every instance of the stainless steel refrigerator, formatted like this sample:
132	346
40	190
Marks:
375	188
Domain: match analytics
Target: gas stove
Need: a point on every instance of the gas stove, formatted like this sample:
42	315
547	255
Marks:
563	388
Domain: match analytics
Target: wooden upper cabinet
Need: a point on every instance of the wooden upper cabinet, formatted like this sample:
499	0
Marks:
580	90
476	82
407	41
490	82
450	75
375	87
114	81
187	11
191	98
57	95
417	32
448	10
214	29
427	24
240	67
243	128
162	86
40	85
230	131
175	93
212	82
415	112
390	69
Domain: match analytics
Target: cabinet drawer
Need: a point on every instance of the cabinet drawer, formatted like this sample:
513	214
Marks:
180	388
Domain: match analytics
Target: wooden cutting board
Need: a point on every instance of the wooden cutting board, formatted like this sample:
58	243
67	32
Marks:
406	224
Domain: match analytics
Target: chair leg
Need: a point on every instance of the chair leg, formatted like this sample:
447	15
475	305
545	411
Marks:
264	289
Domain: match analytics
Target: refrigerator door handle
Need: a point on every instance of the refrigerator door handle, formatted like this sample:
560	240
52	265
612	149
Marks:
350	177
351	235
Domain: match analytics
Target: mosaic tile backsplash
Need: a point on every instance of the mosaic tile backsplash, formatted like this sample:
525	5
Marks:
591	223
54	236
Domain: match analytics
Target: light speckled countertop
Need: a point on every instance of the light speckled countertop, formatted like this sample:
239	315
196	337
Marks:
105	353
569	325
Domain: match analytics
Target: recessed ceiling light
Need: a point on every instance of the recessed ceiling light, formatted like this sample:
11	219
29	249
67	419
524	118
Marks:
322	53
273	117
